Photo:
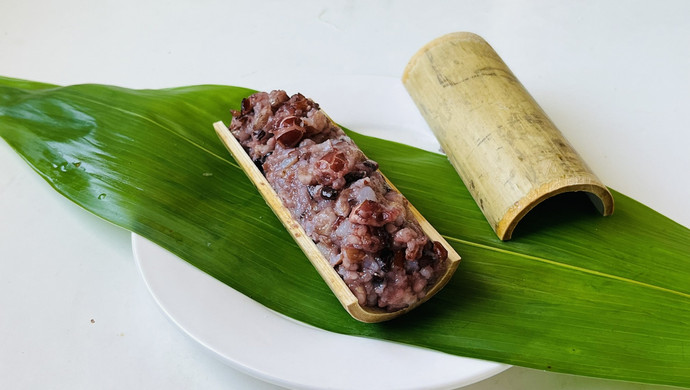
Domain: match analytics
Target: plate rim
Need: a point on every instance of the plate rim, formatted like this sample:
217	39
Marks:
138	242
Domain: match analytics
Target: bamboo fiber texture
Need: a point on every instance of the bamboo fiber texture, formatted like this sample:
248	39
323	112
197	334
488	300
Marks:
507	151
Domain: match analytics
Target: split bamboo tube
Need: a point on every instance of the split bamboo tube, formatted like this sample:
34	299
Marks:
317	259
507	151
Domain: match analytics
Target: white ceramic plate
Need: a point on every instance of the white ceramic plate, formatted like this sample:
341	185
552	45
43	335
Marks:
282	351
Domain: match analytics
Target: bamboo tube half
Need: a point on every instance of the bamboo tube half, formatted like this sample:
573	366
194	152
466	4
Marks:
317	259
507	151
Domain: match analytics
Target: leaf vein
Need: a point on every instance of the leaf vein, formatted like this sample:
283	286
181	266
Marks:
568	266
162	127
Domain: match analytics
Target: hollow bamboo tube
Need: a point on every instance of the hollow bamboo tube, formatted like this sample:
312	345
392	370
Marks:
507	151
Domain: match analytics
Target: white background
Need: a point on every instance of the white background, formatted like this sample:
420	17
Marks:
614	77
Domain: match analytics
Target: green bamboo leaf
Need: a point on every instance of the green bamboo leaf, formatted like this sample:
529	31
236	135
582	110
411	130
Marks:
605	297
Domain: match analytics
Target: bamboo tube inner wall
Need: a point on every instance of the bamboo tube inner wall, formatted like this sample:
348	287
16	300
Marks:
507	151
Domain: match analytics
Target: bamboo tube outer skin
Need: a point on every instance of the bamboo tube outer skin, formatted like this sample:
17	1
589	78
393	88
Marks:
507	151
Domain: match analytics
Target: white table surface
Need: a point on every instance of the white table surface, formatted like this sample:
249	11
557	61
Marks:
74	310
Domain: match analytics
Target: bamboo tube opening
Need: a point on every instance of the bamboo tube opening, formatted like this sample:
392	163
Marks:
505	148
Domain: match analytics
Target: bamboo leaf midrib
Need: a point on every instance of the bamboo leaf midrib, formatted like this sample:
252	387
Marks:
159	125
567	266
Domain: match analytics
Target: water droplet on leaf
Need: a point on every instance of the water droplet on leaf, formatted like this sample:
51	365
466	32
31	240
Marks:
102	196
